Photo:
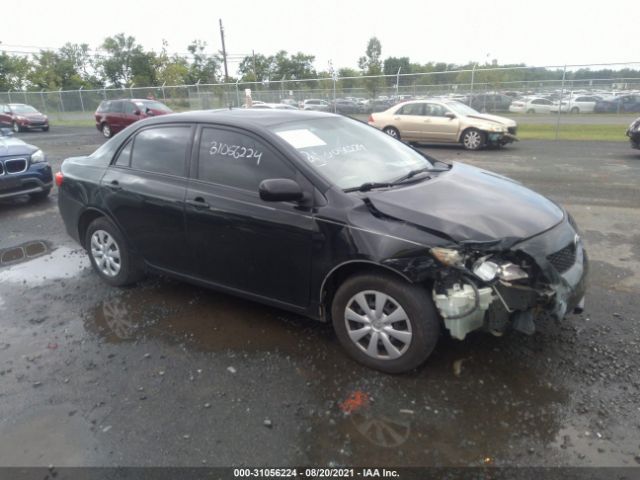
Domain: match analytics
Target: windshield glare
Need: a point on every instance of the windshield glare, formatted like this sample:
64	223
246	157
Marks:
461	108
23	109
349	153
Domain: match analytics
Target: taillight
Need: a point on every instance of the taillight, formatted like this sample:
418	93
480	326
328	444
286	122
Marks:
59	179
370	118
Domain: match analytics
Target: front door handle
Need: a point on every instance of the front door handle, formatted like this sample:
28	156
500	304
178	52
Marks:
115	185
198	202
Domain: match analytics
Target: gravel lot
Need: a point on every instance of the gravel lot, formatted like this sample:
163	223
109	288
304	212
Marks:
165	373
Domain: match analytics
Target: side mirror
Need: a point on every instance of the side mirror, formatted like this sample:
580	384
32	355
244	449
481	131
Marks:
280	190
149	112
450	115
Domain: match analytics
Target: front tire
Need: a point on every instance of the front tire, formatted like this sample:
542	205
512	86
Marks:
106	130
109	254
531	110
16	128
45	129
473	139
392	132
384	322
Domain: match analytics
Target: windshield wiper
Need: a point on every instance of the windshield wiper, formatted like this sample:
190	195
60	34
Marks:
417	171
365	187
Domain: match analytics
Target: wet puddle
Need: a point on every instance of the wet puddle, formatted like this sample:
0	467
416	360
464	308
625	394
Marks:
30	263
472	404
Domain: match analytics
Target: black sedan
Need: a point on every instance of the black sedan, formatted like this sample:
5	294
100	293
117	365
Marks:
24	169
327	217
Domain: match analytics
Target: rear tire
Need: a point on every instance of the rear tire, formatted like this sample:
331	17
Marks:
531	110
109	254
473	139
399	328
575	110
106	130
392	132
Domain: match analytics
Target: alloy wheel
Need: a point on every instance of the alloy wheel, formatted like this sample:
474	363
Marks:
391	132
106	130
472	140
378	325
105	253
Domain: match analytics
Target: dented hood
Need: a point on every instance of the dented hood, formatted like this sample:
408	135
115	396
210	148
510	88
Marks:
468	204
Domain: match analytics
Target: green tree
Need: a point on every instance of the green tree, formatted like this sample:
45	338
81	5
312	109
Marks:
391	67
203	67
371	65
13	72
255	68
126	62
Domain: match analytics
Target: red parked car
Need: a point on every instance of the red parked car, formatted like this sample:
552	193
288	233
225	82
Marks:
19	117
115	115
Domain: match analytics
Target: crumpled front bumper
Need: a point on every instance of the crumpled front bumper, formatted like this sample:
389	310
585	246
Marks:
501	138
555	287
566	279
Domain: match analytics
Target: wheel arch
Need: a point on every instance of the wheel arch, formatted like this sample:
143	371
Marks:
85	219
338	274
470	127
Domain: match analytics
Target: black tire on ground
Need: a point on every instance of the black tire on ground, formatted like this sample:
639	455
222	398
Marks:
129	271
40	196
473	139
420	313
106	130
45	129
16	128
531	110
392	132
575	110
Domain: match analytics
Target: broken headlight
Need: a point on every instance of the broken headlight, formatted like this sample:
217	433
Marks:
448	256
488	270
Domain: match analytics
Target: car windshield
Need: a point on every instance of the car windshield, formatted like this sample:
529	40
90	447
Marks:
349	153
461	108
23	109
153	105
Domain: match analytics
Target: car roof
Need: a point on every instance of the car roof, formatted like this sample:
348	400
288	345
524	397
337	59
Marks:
241	117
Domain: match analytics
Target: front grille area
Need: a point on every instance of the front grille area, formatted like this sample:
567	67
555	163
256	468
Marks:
563	259
16	165
513	130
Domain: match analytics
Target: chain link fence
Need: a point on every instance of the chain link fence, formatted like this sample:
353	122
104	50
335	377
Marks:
484	88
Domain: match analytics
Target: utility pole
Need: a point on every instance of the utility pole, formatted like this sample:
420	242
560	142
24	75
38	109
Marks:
224	54
255	75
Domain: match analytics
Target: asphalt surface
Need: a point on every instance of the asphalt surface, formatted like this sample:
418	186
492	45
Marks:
165	373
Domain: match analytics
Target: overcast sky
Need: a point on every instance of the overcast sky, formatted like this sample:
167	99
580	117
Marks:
537	33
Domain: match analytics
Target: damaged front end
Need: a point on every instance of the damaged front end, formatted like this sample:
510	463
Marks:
511	284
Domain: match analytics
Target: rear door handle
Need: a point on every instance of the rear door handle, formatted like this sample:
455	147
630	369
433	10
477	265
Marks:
198	202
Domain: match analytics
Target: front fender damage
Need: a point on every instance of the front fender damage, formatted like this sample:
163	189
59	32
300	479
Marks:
506	284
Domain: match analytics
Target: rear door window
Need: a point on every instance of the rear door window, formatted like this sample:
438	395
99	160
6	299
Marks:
161	150
412	109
